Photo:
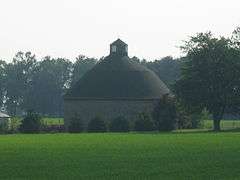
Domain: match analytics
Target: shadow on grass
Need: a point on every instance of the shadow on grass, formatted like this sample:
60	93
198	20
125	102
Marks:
192	131
182	131
231	130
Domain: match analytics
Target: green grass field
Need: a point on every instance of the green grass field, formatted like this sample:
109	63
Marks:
121	156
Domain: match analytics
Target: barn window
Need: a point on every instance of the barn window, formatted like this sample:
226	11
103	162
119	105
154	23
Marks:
114	48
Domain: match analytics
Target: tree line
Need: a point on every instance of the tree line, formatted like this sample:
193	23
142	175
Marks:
207	78
28	83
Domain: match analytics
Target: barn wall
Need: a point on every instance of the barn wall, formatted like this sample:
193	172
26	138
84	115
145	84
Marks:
88	109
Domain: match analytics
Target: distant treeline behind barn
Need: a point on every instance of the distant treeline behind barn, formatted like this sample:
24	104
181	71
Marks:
39	84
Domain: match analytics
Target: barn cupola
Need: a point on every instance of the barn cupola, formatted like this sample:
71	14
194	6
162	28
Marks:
119	48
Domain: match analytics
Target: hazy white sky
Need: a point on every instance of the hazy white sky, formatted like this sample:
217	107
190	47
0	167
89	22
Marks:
152	28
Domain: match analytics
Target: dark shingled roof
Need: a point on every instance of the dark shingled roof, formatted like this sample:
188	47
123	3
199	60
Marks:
117	77
119	42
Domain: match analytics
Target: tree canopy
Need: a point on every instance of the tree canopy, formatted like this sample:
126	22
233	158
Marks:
210	76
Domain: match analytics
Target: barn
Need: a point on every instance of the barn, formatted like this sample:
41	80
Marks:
4	119
116	86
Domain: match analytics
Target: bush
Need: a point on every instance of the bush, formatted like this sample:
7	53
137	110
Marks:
31	123
184	120
15	124
187	119
197	119
97	125
165	114
75	125
144	123
119	124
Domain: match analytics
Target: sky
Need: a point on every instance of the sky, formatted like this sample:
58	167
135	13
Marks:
151	28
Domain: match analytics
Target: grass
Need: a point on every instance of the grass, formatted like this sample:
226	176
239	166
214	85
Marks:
121	156
53	121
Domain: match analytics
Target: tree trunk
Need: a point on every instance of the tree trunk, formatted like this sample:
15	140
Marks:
216	124
217	116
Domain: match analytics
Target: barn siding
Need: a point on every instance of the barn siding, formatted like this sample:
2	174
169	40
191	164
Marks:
108	109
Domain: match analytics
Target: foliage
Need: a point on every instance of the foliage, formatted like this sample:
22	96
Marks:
26	83
18	80
236	37
14	125
31	123
119	124
50	81
144	122
2	82
97	124
197	119
210	75
190	120
165	114
184	120
76	125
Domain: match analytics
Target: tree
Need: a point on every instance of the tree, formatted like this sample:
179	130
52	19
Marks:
165	114
119	124
31	123
236	37
19	80
49	83
187	119
210	76
2	82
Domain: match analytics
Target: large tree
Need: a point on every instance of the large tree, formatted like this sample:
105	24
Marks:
49	83
2	82
18	80
210	76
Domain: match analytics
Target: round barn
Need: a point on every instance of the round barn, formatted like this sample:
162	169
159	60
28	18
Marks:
116	86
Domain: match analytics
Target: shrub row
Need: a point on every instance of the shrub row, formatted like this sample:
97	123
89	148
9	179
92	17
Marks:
167	115
119	124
